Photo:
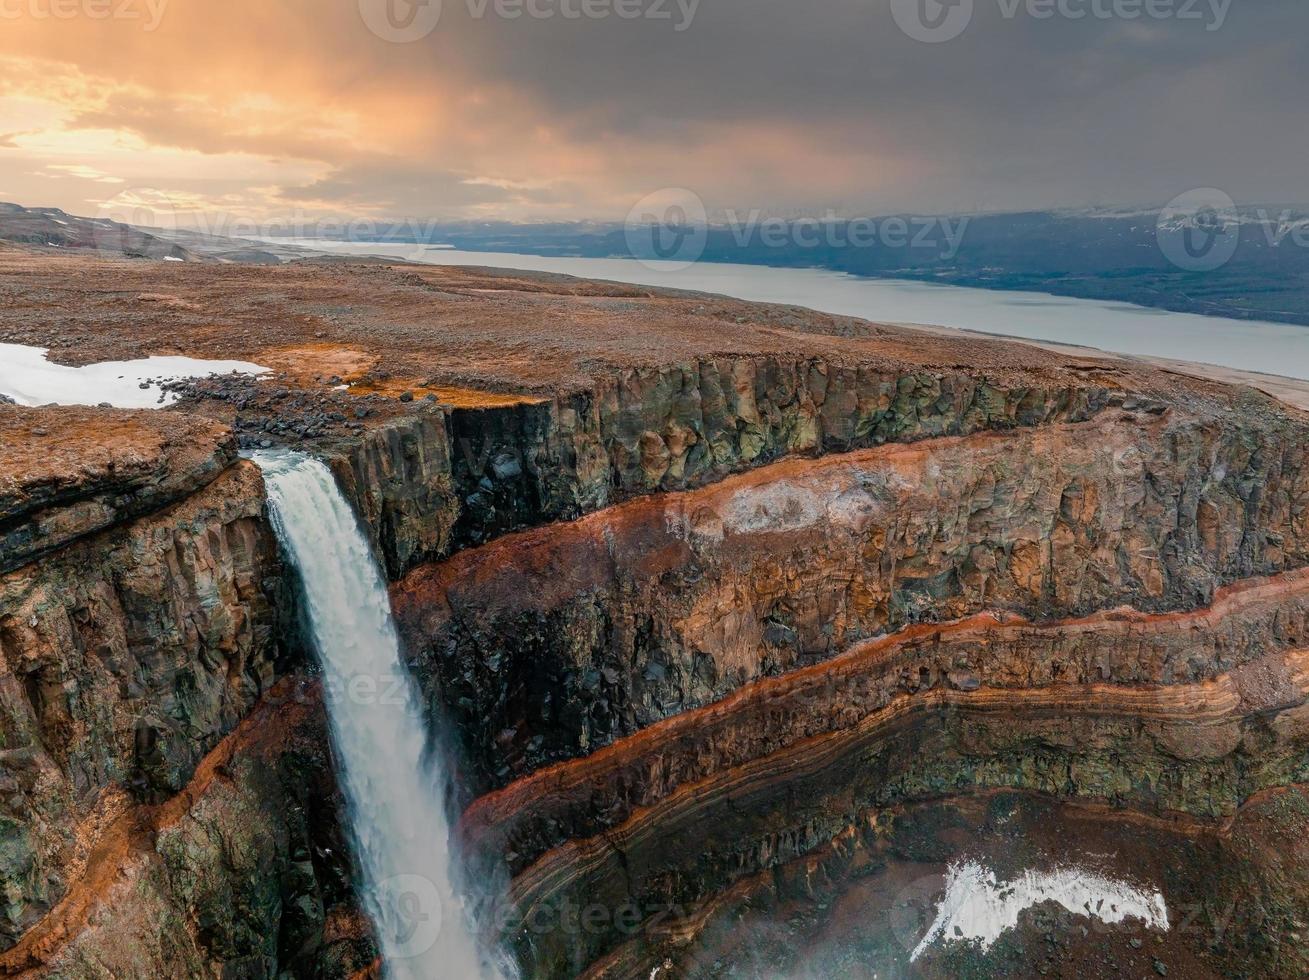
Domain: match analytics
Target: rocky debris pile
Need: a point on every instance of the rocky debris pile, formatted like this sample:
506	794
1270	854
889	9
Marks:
270	412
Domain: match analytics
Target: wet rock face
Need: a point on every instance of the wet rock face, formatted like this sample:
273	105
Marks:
551	644
398	476
124	659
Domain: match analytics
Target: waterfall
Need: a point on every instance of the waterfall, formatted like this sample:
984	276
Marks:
392	788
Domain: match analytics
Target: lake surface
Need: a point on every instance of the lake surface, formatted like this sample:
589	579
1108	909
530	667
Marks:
1246	345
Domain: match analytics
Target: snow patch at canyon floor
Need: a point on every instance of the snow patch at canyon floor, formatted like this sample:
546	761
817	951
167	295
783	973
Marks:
29	378
978	909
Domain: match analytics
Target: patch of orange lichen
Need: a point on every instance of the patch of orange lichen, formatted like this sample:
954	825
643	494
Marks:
308	362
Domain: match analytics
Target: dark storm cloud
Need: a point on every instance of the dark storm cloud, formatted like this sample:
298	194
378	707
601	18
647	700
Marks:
775	104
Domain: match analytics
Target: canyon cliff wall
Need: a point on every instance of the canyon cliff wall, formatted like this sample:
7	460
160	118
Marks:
167	803
709	630
679	693
556	642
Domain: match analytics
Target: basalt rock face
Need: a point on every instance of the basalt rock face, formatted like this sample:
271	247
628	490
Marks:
435	481
398	476
244	873
127	656
684	426
691	691
554	643
1144	659
168	805
70	473
1200	750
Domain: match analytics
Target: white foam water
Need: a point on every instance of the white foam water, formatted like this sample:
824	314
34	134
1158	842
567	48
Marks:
392	788
978	909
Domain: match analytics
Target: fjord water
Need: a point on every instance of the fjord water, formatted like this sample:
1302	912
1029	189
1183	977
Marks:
1244	345
392	786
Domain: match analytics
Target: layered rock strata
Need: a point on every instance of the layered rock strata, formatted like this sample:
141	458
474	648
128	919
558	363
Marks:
68	473
167	800
699	616
551	644
1198	749
1235	896
1122	653
245	872
638	432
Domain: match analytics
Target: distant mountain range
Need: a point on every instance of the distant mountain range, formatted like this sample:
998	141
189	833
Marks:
1113	255
50	229
1110	255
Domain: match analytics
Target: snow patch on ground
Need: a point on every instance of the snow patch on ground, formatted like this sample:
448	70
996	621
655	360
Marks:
29	378
978	909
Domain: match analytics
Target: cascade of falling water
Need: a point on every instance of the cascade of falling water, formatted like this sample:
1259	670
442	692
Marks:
392	790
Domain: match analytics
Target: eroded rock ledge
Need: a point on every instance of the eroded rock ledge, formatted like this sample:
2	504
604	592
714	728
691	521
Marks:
124	658
69	472
1136	655
550	644
244	872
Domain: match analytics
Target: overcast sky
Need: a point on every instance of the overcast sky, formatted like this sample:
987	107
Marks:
274	108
